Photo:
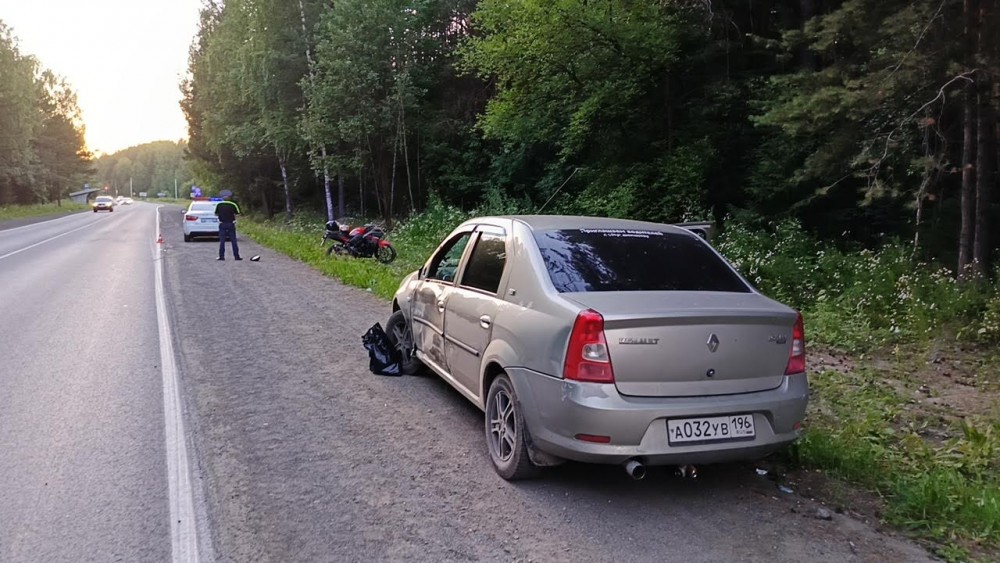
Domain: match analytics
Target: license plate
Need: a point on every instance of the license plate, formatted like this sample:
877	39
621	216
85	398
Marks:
209	220
710	429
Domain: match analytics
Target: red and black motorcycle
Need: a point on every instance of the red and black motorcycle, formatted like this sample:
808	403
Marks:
367	241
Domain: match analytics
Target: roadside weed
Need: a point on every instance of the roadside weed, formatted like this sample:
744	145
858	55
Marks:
939	478
300	239
862	299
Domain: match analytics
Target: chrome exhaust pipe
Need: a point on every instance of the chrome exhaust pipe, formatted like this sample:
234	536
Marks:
635	469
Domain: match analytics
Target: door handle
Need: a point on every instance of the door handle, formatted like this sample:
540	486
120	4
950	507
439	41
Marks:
485	321
441	306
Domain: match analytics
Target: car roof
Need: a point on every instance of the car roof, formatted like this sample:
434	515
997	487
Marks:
559	222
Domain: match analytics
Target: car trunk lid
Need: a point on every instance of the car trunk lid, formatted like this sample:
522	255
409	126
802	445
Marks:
690	343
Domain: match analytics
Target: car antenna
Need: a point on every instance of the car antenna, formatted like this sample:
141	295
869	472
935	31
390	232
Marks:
575	170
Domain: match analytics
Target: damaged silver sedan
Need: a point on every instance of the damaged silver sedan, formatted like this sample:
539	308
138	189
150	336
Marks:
603	341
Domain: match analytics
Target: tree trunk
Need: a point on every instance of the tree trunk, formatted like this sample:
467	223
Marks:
985	176
310	64
288	189
968	182
265	196
929	168
670	116
340	193
967	204
392	178
361	189
326	186
406	154
419	185
985	151
986	138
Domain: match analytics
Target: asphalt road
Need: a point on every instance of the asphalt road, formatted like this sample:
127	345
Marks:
82	444
297	452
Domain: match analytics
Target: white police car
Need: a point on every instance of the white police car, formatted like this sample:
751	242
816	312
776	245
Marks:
200	219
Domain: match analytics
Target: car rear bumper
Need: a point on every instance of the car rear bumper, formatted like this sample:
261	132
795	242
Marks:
201	231
556	410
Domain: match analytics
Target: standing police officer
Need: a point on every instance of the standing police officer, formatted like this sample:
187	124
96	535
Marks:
227	211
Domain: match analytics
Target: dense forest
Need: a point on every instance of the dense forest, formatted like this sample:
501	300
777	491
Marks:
866	120
42	152
157	167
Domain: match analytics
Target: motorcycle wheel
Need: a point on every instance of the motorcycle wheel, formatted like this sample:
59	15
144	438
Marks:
336	248
385	254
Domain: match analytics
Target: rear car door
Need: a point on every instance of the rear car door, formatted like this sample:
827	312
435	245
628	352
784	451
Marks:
472	306
428	302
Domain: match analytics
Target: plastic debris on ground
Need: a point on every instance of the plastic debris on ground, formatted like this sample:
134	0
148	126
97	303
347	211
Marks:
383	358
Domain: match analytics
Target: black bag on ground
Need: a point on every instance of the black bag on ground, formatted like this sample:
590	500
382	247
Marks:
383	356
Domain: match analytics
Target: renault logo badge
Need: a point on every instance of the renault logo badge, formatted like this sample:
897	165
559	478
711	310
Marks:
713	343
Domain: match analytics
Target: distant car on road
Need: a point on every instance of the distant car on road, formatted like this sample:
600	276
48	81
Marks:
604	341
128	201
103	203
200	219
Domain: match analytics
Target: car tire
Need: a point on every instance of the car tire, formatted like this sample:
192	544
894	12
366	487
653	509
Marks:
506	432
187	238
95	211
400	336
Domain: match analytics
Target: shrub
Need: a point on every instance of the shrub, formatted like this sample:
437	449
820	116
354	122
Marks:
862	299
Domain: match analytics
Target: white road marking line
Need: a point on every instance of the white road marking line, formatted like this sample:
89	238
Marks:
46	240
183	527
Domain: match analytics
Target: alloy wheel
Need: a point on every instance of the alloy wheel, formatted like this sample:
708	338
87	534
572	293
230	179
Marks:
503	426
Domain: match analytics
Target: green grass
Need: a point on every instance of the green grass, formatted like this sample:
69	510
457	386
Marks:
38	210
301	241
413	240
861	429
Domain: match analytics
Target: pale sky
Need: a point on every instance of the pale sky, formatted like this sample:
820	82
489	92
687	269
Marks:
124	58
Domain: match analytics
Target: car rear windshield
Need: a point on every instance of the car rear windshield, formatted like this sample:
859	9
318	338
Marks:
206	206
104	199
633	260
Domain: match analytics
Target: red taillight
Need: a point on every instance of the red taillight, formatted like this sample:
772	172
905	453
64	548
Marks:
797	355
190	217
587	357
595	438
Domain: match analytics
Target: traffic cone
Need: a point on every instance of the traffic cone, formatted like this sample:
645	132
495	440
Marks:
159	239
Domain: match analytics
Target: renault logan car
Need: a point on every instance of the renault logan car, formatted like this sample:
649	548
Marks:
604	341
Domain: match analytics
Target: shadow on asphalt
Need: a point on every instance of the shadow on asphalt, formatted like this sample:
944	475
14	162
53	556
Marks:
586	477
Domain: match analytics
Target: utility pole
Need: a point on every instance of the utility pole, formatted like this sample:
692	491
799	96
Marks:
175	188
130	194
